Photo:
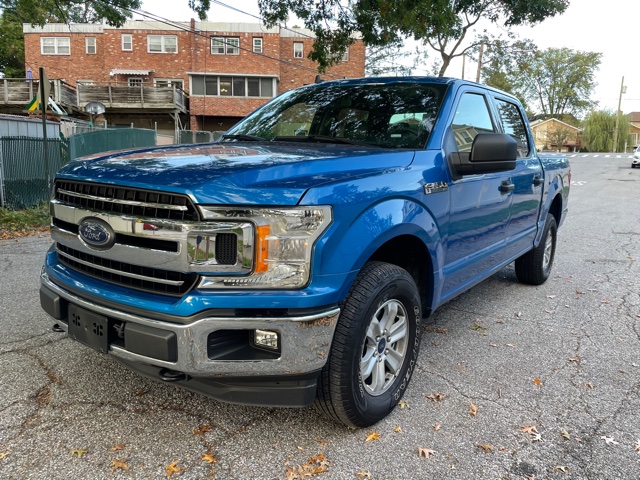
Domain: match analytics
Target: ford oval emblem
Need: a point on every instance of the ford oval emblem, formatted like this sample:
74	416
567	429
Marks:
96	233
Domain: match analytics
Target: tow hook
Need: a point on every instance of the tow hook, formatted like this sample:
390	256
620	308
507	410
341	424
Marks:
171	376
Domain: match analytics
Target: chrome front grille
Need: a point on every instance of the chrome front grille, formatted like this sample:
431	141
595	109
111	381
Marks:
164	282
125	200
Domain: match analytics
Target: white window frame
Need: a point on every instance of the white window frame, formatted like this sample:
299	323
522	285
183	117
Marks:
170	82
90	43
135	81
258	45
58	43
298	50
272	80
127	42
164	44
225	45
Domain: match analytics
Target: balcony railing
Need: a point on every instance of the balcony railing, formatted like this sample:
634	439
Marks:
17	93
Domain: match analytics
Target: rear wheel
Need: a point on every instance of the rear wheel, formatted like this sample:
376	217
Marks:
375	347
534	267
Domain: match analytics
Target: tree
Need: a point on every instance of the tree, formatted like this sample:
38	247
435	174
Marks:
598	131
392	60
560	80
40	12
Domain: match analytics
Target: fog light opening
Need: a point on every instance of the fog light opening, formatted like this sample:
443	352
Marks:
266	339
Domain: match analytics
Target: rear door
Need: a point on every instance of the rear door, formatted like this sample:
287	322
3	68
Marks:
526	179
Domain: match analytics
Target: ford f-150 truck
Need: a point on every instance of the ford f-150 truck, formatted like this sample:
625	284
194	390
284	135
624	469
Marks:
294	260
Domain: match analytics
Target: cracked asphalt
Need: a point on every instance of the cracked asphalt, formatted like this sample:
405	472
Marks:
562	357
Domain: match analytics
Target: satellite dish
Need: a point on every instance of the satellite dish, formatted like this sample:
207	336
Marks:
95	108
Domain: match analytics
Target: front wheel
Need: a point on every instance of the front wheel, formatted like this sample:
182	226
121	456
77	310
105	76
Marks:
375	347
534	267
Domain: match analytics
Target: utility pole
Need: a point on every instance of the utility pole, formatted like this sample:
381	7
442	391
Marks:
480	62
615	132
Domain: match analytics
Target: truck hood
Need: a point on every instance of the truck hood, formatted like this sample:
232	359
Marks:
237	173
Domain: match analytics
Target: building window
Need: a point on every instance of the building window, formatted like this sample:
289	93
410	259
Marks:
55	46
298	50
127	42
257	44
168	82
232	86
162	44
90	45
135	81
85	82
225	45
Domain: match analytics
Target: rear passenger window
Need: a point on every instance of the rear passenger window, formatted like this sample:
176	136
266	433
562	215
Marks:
472	117
513	124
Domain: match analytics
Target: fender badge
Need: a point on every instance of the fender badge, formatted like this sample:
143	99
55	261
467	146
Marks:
435	187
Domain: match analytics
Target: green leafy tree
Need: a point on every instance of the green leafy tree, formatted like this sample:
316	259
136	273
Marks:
40	12
393	60
599	131
559	80
443	23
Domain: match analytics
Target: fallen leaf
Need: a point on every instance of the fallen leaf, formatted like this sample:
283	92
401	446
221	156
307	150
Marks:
575	359
397	429
202	429
473	409
173	468
531	429
425	452
3	454
209	458
403	404
322	442
564	434
477	327
436	397
79	453
561	468
537	381
609	440
119	465
442	331
437	426
363	474
605	301
536	437
485	447
579	292
118	447
372	436
637	446
589	385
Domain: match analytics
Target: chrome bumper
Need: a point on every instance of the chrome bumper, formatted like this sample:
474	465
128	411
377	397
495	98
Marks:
305	340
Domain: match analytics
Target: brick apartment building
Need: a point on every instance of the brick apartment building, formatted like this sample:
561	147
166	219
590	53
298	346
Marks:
226	69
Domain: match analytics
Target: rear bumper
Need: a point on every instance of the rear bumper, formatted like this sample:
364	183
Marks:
199	355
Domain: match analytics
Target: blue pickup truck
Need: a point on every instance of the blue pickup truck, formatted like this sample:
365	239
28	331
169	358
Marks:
293	261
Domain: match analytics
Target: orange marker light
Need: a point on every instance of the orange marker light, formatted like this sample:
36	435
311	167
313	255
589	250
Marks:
263	232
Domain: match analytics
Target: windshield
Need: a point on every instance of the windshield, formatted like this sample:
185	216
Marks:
381	115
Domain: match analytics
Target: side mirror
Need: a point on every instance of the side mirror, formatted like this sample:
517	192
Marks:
490	153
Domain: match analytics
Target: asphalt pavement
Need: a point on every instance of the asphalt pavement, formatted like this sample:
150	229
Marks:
513	381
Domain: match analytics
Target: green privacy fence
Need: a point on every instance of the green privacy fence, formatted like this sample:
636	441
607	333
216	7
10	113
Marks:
24	176
24	179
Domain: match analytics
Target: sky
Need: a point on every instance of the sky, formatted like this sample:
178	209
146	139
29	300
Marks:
611	27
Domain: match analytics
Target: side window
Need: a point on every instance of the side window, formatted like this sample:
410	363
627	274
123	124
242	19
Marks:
472	117
513	124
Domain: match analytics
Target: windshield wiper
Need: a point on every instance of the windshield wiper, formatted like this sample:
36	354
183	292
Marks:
316	138
243	136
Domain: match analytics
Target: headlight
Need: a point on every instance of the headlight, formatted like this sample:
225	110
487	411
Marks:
281	246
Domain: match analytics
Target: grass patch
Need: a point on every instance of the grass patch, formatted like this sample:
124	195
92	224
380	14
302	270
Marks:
20	223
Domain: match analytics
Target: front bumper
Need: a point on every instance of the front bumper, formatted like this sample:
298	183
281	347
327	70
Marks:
162	346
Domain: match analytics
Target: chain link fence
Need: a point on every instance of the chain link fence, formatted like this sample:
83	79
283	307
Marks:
197	136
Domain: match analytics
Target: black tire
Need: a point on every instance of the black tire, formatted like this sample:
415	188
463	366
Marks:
534	267
381	291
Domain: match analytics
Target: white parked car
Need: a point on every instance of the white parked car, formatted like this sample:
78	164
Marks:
636	158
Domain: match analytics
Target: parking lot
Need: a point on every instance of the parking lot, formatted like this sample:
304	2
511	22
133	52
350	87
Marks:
513	381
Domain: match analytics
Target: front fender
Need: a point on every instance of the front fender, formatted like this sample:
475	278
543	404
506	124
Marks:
349	244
